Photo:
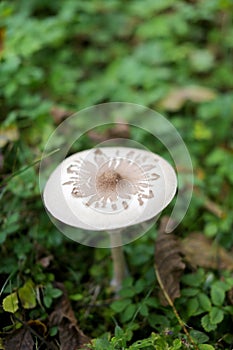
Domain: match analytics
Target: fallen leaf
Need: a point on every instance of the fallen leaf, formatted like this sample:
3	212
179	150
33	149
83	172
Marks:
70	336
38	326
20	340
119	130
11	303
59	114
178	96
8	134
27	295
168	263
45	261
201	251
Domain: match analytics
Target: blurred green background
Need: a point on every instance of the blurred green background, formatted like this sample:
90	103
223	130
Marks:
58	57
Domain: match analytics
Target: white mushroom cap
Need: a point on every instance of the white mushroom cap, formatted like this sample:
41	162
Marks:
109	188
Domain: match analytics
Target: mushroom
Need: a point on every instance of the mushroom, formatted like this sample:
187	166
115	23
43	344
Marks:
111	190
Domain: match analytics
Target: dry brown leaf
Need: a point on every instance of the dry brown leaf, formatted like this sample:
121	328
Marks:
59	114
201	251
38	327
168	262
20	340
178	96
46	260
70	336
120	130
230	296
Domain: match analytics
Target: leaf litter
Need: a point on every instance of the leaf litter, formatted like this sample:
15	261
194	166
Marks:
20	340
168	262
177	97
200	251
70	335
173	254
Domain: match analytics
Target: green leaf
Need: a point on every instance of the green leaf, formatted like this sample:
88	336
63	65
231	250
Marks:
217	295
216	157
211	229
222	285
128	313
199	337
127	292
76	297
202	60
47	301
51	293
53	331
228	309
152	302
27	295
118	332
229	282
24	185
207	324
204	301
192	306
177	344
216	315
194	279
155	320
128	282
205	347
144	310
10	303
3	236
189	292
103	343
56	293
120	305
139	286
201	132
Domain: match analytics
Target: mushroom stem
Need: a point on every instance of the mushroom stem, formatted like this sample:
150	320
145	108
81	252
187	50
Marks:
120	270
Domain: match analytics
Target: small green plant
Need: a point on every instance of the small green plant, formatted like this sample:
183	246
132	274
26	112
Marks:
28	297
130	304
206	296
154	341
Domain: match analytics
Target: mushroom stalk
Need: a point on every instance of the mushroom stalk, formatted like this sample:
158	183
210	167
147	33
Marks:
120	270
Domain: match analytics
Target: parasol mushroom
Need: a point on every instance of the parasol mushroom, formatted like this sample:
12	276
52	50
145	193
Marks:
110	189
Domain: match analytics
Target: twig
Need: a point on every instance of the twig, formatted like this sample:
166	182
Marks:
170	302
213	208
93	299
31	330
21	170
210	205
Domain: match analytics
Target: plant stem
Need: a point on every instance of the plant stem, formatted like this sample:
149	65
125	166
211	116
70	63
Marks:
119	264
170	302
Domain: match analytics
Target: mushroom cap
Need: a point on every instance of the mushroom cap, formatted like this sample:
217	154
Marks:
108	188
